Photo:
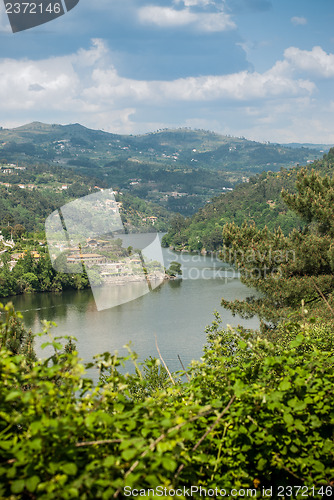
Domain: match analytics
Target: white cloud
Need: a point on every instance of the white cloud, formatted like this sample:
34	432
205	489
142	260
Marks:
194	3
299	21
55	78
86	87
238	86
87	78
167	17
315	61
108	86
215	22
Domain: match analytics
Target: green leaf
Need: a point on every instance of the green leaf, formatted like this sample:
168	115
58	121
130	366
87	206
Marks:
129	454
18	486
109	461
13	395
169	464
285	385
242	344
32	483
288	419
70	469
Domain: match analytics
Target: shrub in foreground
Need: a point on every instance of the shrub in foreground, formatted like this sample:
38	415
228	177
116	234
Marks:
249	415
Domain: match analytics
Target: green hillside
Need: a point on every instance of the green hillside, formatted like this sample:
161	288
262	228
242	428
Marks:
259	201
28	194
178	169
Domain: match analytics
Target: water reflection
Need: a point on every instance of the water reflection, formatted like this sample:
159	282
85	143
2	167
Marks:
177	312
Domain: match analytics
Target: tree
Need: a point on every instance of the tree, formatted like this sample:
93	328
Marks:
176	234
19	230
7	286
174	269
287	269
14	335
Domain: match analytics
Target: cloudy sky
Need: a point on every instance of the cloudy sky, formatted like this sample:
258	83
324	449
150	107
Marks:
262	69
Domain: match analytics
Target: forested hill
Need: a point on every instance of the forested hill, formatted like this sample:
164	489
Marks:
183	146
28	194
178	169
259	200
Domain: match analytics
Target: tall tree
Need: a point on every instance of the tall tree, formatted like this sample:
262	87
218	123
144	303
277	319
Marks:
287	269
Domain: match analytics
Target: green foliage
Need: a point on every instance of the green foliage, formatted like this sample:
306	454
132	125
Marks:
250	416
314	200
287	269
174	269
260	201
135	214
152	378
13	335
247	203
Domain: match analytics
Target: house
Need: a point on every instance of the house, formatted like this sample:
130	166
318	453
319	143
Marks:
136	261
86	258
17	256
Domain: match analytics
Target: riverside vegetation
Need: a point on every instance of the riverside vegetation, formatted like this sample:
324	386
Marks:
256	412
34	272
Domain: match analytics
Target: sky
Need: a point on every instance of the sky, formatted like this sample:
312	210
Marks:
260	69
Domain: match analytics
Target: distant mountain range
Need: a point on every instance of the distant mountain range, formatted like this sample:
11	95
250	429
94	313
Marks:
179	169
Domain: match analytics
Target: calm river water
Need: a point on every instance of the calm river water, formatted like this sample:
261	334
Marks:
177	312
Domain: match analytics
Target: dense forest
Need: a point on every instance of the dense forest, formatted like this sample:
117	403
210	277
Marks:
258	201
37	275
29	193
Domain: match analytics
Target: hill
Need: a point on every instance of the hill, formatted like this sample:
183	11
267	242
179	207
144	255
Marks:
178	169
259	201
28	194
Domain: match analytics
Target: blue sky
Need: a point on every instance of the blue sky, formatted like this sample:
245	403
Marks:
262	69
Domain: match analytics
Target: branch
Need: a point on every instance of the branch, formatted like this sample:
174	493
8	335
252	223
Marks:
186	374
160	438
210	429
92	443
322	295
166	367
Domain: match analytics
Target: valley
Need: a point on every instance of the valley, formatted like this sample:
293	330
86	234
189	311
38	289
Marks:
180	170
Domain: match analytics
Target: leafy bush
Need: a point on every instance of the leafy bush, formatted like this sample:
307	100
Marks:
250	414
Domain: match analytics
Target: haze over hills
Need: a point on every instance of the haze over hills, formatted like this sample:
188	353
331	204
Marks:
179	169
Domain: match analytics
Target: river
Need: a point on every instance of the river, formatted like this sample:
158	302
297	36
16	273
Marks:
177	312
